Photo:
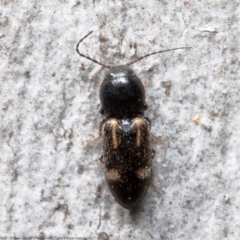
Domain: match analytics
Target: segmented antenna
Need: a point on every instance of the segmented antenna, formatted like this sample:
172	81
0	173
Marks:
150	54
91	59
128	64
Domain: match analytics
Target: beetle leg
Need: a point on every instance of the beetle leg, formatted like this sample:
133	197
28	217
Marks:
101	110
101	158
153	153
159	140
148	120
96	138
154	186
146	107
145	82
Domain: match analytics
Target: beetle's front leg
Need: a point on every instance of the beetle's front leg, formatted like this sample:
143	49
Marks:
99	134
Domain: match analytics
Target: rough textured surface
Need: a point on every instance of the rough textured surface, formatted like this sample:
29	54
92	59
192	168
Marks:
51	186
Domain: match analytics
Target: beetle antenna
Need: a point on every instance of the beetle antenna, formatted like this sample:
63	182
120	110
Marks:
150	54
91	59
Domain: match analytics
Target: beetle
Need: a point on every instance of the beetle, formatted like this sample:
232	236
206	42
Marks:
127	152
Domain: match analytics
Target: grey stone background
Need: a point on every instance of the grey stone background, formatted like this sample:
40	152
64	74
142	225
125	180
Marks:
51	186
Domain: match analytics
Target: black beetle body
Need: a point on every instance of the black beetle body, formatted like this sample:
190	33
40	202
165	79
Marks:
122	93
127	154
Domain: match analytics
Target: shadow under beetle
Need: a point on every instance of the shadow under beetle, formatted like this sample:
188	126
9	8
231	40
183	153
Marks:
127	153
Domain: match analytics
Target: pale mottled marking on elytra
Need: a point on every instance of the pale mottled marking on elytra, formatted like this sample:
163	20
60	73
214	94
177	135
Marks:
113	123
113	174
143	173
138	122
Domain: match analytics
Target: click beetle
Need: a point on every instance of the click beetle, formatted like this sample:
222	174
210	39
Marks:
127	152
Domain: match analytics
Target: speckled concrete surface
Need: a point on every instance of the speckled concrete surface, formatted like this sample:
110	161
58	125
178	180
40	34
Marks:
51	186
